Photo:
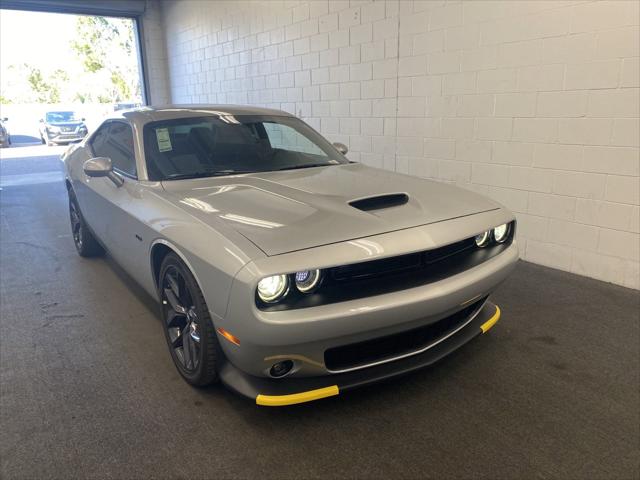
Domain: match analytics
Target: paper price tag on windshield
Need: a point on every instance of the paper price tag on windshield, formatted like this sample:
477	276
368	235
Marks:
164	141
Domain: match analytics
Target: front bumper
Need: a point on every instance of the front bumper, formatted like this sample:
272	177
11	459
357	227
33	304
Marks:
66	137
289	391
305	335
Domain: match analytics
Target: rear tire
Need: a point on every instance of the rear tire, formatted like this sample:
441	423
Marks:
191	336
86	244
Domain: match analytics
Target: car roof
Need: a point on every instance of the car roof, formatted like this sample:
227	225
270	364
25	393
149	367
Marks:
166	112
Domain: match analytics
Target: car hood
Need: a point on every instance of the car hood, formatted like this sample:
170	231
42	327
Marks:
65	124
293	210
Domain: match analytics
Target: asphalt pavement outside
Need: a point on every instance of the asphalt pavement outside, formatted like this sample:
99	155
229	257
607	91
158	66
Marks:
88	390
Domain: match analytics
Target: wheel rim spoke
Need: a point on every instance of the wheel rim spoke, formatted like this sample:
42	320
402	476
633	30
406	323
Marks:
193	333
181	322
173	285
177	341
174	303
188	348
75	223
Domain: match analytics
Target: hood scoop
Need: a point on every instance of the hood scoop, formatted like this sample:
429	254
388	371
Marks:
380	201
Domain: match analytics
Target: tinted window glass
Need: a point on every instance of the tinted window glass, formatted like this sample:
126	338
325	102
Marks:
97	141
227	144
118	146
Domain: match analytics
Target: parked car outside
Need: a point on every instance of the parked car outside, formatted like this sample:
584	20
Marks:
126	106
59	127
282	269
5	135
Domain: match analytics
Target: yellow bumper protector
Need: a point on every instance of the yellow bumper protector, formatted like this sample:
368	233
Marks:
282	400
486	326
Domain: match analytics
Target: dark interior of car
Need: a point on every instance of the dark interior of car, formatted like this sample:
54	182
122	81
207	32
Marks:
220	148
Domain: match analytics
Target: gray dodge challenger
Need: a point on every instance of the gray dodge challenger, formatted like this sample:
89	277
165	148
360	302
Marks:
282	269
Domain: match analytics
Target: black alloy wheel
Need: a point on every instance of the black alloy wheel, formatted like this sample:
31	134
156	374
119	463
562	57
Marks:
76	224
188	328
86	244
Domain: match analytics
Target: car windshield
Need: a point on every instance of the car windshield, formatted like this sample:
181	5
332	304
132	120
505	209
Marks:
54	117
230	144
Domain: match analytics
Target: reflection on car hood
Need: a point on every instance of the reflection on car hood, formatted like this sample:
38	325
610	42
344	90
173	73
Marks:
293	210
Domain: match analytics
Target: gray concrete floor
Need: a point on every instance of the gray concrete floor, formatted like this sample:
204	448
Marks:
88	389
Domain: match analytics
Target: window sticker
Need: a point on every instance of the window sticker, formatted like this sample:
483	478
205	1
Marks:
164	141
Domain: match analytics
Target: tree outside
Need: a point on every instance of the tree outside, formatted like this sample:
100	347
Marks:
101	67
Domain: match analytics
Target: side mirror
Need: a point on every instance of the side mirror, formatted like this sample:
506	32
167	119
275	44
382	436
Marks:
341	147
5	119
101	167
83	119
41	120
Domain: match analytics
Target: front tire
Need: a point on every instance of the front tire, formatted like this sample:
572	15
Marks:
187	324
86	244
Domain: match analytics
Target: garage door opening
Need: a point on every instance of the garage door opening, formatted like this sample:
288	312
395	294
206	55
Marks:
60	74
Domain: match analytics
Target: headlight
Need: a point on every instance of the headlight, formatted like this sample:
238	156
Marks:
53	129
501	232
271	289
482	240
307	280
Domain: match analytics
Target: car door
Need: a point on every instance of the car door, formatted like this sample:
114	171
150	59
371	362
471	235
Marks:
90	191
112	205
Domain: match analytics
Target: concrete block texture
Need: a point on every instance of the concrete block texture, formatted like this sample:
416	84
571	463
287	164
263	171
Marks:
535	104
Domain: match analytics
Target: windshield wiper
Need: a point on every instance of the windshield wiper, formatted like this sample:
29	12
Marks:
219	173
308	165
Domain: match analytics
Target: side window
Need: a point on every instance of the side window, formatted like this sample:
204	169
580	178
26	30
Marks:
118	146
97	142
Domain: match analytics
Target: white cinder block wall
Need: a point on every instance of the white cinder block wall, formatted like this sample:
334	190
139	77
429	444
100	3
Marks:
534	103
156	55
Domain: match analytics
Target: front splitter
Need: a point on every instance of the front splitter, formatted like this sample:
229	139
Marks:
289	391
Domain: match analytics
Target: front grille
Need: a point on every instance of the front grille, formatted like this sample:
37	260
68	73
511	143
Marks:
399	264
359	271
397	345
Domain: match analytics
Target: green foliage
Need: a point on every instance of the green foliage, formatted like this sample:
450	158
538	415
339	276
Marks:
46	92
101	39
94	34
104	68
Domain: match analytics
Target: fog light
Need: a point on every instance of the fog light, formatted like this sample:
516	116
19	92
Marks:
500	233
482	240
280	369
